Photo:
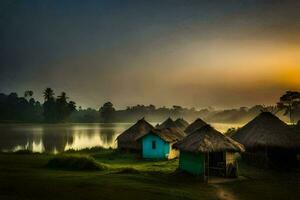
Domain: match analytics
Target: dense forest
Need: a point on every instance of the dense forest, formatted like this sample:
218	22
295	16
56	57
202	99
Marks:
58	109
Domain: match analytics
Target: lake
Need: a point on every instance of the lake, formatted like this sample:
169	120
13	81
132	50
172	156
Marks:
62	137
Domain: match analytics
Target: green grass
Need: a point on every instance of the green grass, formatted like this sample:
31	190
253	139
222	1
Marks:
121	160
266	184
26	176
74	162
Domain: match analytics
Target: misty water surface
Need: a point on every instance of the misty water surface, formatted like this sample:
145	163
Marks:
61	137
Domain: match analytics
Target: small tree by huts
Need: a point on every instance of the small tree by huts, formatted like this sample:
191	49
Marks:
269	142
197	124
181	123
128	139
158	143
208	152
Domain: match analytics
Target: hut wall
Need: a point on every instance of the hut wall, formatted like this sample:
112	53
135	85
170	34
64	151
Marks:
192	163
271	158
230	158
154	147
129	145
257	158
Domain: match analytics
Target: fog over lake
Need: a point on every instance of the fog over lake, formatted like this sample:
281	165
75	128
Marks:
62	137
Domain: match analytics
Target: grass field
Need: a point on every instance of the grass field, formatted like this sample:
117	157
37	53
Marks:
26	176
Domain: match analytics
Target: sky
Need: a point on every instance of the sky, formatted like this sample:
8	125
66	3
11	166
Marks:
193	53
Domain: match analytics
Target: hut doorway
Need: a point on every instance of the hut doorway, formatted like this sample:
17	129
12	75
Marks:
215	164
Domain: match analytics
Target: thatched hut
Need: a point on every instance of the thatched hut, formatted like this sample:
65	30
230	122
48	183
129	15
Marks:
128	139
197	124
158	143
208	152
168	123
181	123
268	141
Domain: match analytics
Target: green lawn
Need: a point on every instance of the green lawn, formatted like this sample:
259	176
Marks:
128	177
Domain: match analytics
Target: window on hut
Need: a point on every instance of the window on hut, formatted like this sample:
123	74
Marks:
153	144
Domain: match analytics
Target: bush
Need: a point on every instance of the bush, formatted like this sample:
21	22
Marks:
23	151
72	162
89	150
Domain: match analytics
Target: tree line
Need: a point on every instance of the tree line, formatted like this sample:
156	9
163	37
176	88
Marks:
20	109
287	106
57	109
14	108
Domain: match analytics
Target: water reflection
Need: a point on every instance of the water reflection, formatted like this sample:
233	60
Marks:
57	138
61	137
103	135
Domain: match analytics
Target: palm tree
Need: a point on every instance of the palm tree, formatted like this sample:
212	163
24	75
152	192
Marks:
63	97
28	93
48	94
72	106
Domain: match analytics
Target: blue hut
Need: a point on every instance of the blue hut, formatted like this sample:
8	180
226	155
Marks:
158	143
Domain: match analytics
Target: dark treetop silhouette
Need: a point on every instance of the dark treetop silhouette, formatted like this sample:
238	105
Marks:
56	109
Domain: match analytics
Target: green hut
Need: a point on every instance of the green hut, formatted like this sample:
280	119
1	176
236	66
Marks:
128	139
197	124
158	143
208	152
181	123
268	141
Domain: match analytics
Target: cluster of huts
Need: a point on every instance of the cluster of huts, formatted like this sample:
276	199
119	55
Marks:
204	151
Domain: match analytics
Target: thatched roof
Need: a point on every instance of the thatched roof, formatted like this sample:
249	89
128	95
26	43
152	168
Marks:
168	123
167	134
181	123
197	124
140	128
267	130
207	139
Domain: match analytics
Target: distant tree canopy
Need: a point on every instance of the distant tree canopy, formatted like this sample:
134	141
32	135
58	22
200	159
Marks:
57	109
28	94
107	112
49	106
290	103
20	109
